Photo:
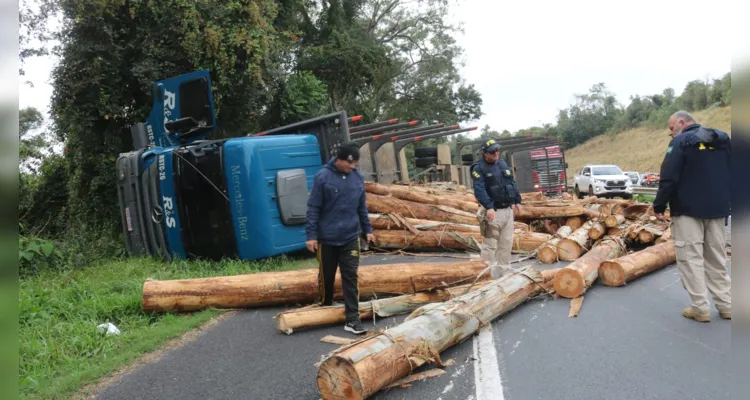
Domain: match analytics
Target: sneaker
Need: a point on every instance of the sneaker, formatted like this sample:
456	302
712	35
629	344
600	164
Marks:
355	327
726	314
690	313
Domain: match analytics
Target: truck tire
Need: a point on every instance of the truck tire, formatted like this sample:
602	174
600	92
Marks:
426	162
467	157
425	152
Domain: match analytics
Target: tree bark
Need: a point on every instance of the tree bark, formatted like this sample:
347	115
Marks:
527	242
622	270
419	197
667	236
600	210
573	280
618	231
410	209
548	251
380	221
574	222
427	240
292	320
637	210
573	246
365	367
520	226
529	212
295	287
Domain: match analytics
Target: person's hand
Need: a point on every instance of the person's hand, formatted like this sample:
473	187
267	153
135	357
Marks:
661	217
370	238
312	245
491	214
516	208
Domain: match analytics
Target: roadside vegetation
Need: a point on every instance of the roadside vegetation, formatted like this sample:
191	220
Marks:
60	349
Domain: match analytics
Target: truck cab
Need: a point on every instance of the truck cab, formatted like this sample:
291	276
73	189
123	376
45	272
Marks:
182	196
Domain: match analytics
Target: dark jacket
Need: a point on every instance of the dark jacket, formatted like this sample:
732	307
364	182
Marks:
336	208
695	174
502	178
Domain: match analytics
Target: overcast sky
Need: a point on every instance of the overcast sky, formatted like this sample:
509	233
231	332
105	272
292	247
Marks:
528	58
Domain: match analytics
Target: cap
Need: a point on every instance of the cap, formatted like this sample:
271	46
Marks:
348	152
490	145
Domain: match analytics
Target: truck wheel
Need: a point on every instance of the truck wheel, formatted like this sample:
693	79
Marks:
591	191
467	157
425	152
627	196
426	162
578	193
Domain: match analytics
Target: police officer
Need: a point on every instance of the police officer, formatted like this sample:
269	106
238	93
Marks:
695	182
497	193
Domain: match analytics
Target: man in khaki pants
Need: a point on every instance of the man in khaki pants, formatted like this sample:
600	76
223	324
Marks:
695	181
497	193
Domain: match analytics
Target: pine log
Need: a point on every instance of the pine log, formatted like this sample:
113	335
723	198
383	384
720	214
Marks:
574	222
573	246
573	280
527	242
380	221
612	221
618	231
665	237
597	200
409	209
388	239
293	320
419	197
650	232
532	196
619	209
600	210
548	251
637	210
622	270
294	287
597	230
530	212
448	194
520	226
363	368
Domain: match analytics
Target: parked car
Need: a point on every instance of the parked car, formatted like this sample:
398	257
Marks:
635	178
650	179
603	181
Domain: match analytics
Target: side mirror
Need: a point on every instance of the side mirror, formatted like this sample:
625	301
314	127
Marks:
587	174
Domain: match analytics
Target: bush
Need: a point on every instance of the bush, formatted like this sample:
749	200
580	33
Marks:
35	255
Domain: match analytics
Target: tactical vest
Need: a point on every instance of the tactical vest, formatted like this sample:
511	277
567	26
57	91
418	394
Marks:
500	186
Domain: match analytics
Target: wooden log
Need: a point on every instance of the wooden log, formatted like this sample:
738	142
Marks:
294	320
380	221
532	196
548	251
622	270
530	212
665	237
612	221
637	210
360	370
409	209
520	226
597	230
573	280
527	242
650	232
619	209
600	210
573	246
388	239
419	197
574	222
448	194
295	287
618	231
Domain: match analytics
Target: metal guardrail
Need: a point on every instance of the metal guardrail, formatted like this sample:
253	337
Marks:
650	191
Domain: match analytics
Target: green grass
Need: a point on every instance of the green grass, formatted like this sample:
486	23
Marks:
59	348
644	198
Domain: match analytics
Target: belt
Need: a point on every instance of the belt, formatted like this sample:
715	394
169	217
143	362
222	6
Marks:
502	206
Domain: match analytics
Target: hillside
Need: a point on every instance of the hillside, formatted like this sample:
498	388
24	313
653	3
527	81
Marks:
640	149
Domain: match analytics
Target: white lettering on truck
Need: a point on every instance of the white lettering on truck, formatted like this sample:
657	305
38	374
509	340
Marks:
168	210
169	103
162	168
239	203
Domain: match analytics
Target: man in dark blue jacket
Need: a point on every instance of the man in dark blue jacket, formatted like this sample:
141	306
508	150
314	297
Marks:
336	216
497	192
695	181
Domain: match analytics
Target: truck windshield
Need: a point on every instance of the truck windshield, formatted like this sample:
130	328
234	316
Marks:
204	210
607	171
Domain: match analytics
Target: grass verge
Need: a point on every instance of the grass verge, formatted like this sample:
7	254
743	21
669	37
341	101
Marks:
60	350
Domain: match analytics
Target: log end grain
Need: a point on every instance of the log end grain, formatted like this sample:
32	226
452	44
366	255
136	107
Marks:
611	273
568	250
282	325
569	283
547	254
338	379
574	222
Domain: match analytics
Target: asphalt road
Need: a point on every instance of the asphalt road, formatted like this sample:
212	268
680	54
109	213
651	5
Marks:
628	342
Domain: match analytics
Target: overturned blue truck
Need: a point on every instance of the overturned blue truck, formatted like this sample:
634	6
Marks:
183	196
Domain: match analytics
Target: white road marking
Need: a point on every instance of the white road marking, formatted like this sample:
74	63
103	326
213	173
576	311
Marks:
487	381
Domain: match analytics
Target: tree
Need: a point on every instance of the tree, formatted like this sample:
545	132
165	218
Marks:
593	114
31	145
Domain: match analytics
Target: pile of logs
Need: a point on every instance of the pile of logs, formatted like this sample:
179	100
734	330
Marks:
613	241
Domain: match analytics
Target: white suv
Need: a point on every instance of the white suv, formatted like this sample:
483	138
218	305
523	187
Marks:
603	181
